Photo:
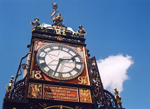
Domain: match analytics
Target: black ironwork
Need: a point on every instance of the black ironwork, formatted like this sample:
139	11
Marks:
17	93
19	90
75	39
23	66
103	98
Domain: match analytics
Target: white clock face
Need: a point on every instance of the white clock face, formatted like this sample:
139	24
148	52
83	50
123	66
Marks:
59	61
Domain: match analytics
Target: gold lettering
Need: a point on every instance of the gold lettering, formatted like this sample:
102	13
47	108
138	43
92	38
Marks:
68	91
63	91
53	90
71	95
61	94
57	90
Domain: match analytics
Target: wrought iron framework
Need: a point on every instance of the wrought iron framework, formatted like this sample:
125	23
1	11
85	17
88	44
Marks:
103	98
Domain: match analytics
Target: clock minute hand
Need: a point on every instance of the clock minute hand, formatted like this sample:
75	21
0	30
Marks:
72	58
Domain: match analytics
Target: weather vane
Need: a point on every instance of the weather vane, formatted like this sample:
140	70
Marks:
55	9
58	19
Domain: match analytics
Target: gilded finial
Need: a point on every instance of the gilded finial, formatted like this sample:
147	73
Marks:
35	23
81	31
61	107
10	86
118	97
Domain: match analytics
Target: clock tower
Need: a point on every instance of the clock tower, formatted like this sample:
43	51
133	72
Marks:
58	73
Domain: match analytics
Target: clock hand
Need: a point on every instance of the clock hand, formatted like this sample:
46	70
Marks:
60	60
72	58
57	65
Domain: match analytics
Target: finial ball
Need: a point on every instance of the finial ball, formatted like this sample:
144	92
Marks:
12	77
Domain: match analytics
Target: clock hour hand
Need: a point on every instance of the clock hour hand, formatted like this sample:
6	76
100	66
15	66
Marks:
57	65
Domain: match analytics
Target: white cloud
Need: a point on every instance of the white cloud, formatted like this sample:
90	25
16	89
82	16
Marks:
113	71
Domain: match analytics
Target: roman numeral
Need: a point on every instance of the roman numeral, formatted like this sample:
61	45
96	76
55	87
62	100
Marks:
79	63
43	65
41	58
50	71
60	75
51	47
76	69
69	50
60	47
70	74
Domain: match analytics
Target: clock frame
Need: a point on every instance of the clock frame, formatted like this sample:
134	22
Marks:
37	73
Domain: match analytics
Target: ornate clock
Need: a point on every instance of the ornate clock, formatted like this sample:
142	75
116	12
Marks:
59	61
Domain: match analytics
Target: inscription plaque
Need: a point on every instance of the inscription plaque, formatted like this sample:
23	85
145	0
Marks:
63	93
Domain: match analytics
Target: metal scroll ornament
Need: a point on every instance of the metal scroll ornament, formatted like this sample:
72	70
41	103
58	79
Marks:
103	98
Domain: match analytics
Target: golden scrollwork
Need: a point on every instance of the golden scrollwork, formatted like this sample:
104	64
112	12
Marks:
85	95
35	90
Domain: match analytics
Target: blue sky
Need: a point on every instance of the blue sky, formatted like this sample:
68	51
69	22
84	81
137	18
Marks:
114	28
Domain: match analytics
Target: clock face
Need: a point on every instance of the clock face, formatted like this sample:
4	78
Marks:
59	61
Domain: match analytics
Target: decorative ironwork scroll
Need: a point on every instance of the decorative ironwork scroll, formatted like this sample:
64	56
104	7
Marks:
103	98
21	67
19	90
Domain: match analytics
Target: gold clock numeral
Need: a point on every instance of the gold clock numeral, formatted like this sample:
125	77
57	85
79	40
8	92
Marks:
82	79
36	74
33	72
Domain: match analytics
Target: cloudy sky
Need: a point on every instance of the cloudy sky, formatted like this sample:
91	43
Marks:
117	35
115	68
